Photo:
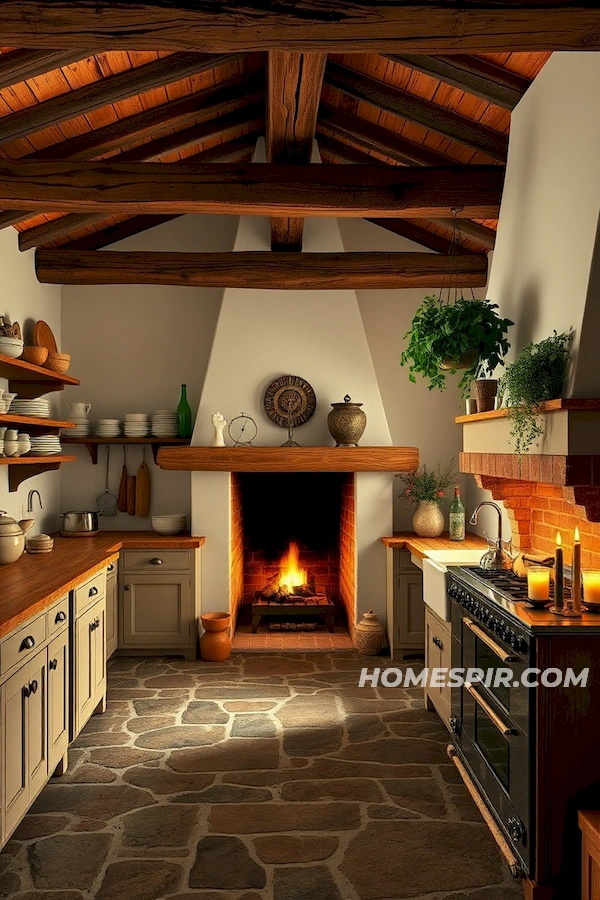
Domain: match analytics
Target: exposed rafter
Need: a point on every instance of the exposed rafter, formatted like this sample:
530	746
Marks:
294	85
414	109
108	90
258	189
407	229
251	118
384	26
264	270
471	74
19	65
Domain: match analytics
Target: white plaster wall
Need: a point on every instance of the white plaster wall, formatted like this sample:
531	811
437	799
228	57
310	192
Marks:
132	348
24	300
416	416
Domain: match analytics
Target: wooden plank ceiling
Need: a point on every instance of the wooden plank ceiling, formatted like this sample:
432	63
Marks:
142	106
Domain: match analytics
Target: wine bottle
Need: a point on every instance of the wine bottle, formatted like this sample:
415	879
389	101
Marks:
184	415
457	517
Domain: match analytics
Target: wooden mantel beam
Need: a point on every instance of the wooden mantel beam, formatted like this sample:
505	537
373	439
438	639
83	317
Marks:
294	82
260	189
384	26
260	270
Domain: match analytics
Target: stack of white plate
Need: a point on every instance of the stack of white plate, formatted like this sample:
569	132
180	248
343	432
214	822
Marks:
39	408
136	425
44	445
171	524
81	428
165	423
108	428
12	347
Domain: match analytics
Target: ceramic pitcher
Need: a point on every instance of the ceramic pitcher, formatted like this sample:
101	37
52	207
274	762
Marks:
79	410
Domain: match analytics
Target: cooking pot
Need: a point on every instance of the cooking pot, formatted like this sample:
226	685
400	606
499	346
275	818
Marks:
80	522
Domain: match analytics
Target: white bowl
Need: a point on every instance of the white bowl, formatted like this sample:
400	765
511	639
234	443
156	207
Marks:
168	529
11	347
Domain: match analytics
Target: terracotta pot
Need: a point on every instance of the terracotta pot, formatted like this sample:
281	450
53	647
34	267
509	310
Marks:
486	390
215	643
428	520
369	635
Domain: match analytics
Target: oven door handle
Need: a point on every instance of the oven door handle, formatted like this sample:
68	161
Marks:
494	647
494	718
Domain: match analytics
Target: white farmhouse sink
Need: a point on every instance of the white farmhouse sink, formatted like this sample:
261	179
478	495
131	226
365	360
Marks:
456	557
435	567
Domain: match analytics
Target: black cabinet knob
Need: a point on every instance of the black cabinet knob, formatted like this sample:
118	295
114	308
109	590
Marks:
156	561
60	616
27	643
26	691
33	686
53	664
92	592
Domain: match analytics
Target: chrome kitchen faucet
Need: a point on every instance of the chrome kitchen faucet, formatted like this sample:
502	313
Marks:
495	557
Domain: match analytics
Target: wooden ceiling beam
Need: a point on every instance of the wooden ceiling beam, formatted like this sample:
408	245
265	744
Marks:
257	189
106	91
260	270
471	74
19	65
343	153
251	118
335	122
383	26
294	83
414	109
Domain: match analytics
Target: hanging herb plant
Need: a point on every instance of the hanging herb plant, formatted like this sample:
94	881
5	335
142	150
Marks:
446	337
537	375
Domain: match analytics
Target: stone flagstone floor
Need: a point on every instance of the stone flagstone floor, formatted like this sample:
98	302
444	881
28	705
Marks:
266	777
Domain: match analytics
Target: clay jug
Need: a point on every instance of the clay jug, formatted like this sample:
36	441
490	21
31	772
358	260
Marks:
215	643
369	636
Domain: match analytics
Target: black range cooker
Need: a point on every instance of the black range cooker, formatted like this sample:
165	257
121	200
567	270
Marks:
493	719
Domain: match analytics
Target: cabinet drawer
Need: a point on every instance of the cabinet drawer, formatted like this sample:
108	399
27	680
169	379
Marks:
156	561
89	592
111	570
58	616
21	646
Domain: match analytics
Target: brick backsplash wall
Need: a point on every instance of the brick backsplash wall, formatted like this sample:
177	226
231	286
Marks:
537	511
237	548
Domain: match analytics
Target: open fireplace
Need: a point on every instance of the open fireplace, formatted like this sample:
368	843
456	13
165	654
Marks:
293	548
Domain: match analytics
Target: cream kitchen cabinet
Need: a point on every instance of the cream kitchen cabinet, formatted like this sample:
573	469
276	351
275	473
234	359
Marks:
157	610
406	631
33	711
88	648
438	655
112	609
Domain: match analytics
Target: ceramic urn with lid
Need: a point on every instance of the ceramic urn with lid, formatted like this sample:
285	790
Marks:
12	537
346	422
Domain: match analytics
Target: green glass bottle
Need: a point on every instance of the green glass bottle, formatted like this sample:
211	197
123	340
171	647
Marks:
184	415
457	517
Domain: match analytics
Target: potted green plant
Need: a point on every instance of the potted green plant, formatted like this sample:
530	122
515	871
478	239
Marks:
537	375
427	490
445	337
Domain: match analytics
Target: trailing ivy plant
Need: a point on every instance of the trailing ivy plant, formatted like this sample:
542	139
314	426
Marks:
443	334
537	375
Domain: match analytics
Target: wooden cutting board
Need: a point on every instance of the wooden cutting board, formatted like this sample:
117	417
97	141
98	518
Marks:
142	490
43	337
122	495
131	495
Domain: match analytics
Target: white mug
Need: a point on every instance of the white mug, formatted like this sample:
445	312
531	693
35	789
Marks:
79	410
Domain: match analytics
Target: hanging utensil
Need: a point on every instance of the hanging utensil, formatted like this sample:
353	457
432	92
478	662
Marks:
142	488
131	495
107	502
122	495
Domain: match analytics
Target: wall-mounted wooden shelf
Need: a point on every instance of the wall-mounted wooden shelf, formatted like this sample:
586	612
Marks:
289	459
92	443
29	381
570	404
34	424
23	467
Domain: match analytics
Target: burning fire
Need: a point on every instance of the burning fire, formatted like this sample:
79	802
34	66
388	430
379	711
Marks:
290	573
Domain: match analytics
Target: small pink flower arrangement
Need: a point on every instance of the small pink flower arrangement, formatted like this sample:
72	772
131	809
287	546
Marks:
425	485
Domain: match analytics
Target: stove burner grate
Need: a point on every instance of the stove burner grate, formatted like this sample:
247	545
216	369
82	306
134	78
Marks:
514	587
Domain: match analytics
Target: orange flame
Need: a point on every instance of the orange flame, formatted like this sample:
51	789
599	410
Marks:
290	573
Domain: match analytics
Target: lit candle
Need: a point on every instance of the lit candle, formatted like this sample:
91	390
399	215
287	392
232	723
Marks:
576	586
591	588
538	582
559	592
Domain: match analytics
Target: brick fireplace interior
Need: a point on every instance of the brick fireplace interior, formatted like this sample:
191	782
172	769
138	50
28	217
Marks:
314	510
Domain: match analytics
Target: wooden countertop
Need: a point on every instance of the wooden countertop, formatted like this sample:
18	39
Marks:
419	546
35	581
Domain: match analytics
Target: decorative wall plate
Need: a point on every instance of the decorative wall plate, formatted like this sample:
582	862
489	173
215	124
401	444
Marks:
289	401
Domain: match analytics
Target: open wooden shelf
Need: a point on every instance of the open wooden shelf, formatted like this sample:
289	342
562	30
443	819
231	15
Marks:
33	422
29	381
289	459
23	467
92	443
572	404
